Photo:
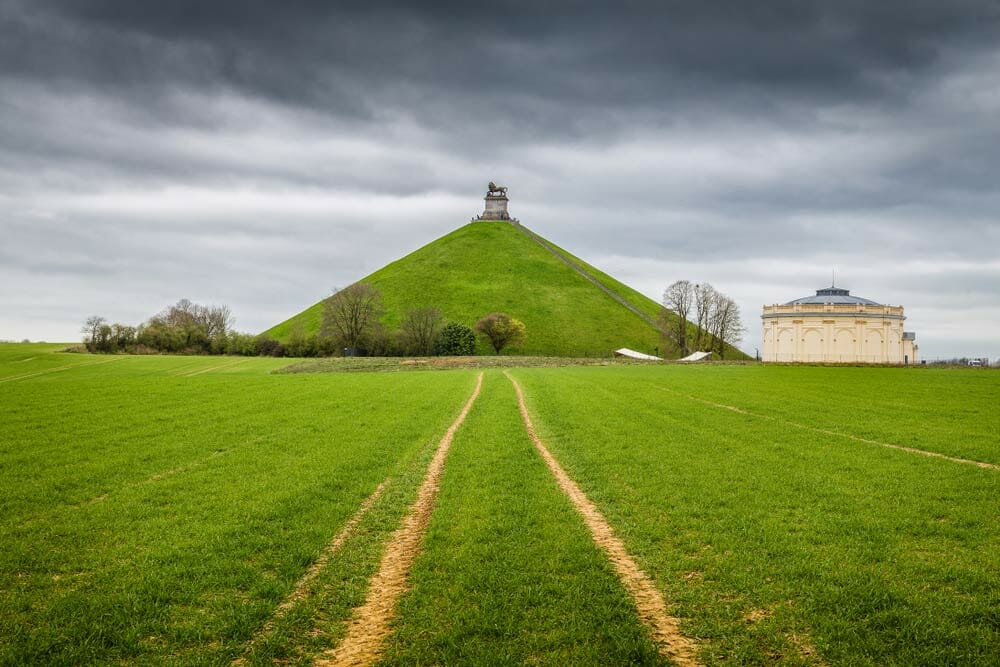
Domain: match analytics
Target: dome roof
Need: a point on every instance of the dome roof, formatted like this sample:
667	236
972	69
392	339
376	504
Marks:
834	295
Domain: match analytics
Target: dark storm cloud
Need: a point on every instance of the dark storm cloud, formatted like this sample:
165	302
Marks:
170	146
531	57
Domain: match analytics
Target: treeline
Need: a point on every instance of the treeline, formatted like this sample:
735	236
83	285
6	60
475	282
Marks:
979	362
351	325
715	316
185	327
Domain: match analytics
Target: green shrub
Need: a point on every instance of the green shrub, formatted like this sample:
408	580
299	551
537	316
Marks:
456	340
268	347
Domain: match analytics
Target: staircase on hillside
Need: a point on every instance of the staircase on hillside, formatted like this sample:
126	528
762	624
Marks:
589	276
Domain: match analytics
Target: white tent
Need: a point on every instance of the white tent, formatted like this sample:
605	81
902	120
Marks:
696	356
632	354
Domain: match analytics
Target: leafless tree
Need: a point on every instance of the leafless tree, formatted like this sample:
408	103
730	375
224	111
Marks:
91	329
217	320
678	298
733	332
181	315
212	320
419	330
725	323
704	297
350	315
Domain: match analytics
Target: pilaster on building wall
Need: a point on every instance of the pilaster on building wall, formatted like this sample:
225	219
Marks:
835	327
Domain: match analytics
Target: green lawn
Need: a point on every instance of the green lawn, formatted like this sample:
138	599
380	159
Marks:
155	517
946	410
859	553
157	510
509	574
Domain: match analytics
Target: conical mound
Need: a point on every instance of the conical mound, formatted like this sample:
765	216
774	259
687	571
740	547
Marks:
568	307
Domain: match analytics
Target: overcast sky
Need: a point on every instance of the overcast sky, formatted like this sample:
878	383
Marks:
260	154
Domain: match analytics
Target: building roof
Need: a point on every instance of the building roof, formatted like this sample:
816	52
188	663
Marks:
834	295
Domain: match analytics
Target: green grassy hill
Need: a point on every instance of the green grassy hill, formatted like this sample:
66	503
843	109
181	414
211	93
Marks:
487	267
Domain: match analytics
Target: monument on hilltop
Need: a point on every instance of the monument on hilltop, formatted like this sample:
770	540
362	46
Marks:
496	204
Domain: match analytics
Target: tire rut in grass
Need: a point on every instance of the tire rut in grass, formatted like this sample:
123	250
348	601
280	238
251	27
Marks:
370	625
799	639
648	600
507	572
302	586
25	376
202	371
837	434
157	477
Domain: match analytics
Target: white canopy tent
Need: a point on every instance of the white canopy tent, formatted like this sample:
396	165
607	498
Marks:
696	356
632	354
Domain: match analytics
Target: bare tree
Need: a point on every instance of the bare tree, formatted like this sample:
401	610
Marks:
182	314
217	320
350	315
704	296
91	330
725	323
733	332
419	330
678	297
501	330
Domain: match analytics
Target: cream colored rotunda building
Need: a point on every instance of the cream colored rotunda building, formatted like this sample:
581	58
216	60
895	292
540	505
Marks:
835	327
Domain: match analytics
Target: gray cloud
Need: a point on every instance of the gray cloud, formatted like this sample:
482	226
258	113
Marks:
243	153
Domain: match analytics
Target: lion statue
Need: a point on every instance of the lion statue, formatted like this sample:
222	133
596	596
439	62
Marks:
499	189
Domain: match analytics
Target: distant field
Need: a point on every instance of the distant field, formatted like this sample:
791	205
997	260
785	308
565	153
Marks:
172	510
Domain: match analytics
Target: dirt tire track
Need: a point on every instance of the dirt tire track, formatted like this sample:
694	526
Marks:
25	376
648	600
158	476
301	589
209	370
369	626
838	434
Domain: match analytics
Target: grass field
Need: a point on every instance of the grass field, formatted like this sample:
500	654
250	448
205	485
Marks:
170	510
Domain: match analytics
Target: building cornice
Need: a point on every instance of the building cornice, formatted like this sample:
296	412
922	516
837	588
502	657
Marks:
826	313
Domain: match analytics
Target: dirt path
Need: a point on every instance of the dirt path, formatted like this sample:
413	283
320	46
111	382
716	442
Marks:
370	625
648	600
838	434
301	589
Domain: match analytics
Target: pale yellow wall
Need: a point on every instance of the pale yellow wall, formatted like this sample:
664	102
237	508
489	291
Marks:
836	333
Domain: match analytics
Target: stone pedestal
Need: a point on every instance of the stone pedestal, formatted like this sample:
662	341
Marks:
496	208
